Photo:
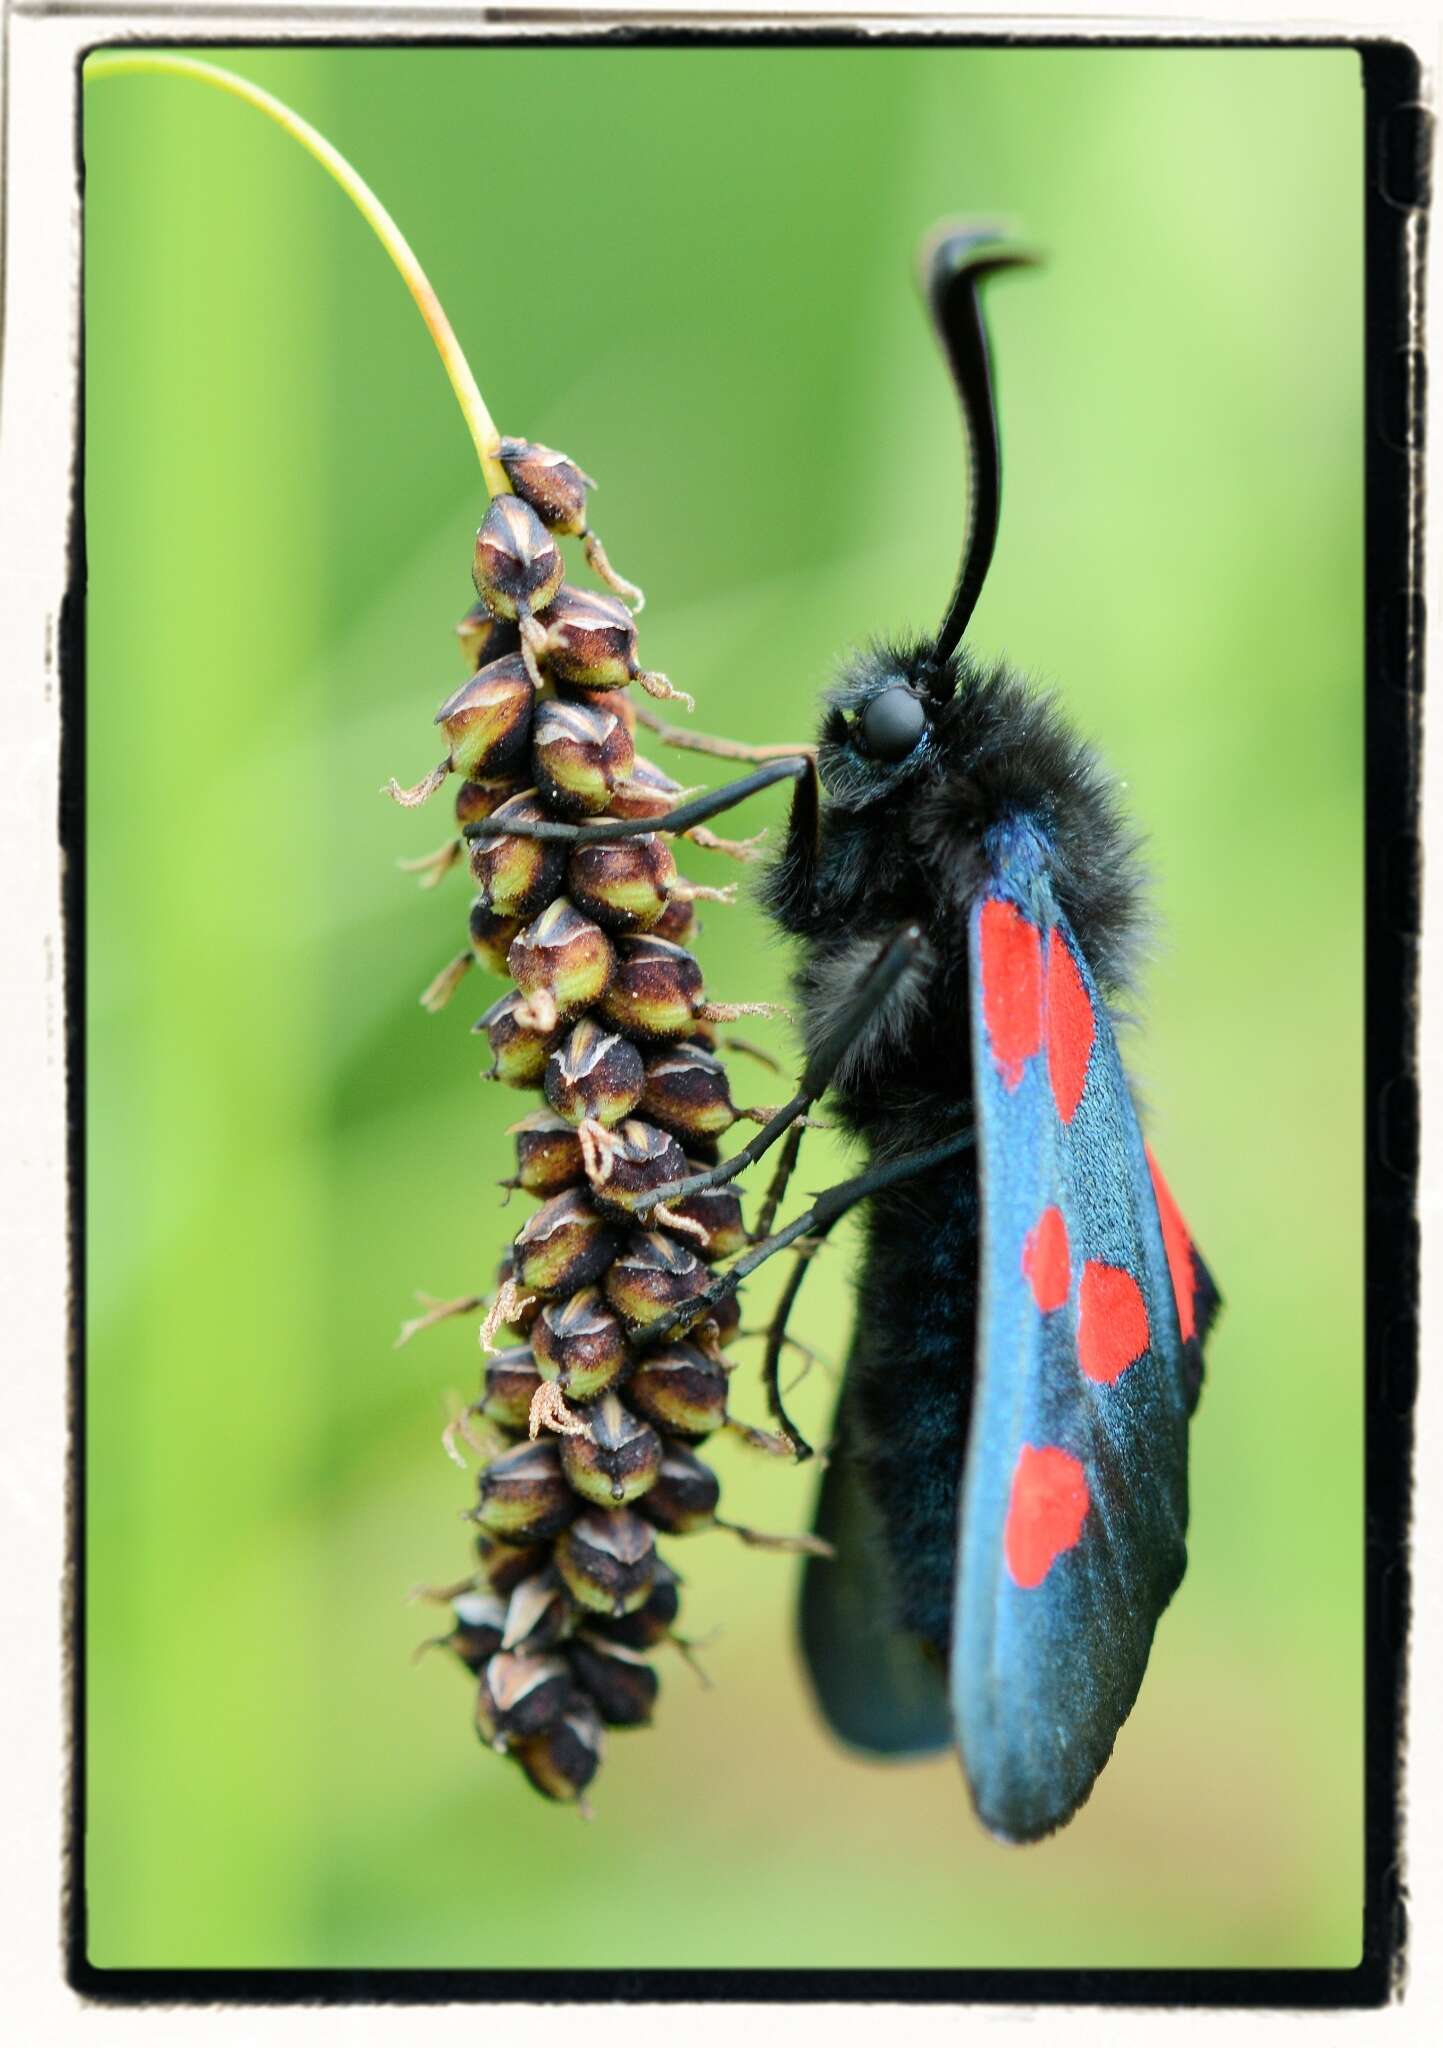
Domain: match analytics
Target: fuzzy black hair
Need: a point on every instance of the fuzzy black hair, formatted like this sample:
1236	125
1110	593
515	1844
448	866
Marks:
903	839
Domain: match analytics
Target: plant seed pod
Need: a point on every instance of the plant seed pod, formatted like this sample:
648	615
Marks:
649	793
518	876
518	566
504	1565
710	1220
608	1560
483	638
654	992
680	1390
639	1159
563	1761
487	722
527	1694
652	1276
549	482
725	1316
580	1345
684	1495
548	1154
480	797
678	923
524	1496
538	1615
617	1458
687	1092
621	1683
590	640
491	935
624	883
594	1074
564	1246
649	1624
480	1620
528	1310
519	1050
581	754
561	962
509	1387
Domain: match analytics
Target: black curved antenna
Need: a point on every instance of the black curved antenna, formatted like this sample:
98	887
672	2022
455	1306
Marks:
955	259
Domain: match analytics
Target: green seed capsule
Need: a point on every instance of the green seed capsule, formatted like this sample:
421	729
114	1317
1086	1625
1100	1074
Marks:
518	876
680	1390
504	1565
687	1092
581	754
479	799
548	1154
527	1694
715	1213
562	962
518	566
563	1247
684	1495
480	1622
678	922
580	1344
487	722
538	1615
593	1073
590	640
639	1160
563	1761
621	1683
524	1496
651	1623
652	1276
491	935
617	1458
519	1049
655	990
623	883
549	482
483	638
510	1387
608	1560
648	794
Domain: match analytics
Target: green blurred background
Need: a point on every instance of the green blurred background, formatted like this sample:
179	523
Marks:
692	270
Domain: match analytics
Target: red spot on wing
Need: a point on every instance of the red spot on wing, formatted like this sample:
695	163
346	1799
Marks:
1011	949
1045	1513
1177	1243
1071	1027
1112	1331
1045	1260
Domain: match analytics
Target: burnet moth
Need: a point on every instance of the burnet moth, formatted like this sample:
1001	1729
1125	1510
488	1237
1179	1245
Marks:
1007	1491
1003	1512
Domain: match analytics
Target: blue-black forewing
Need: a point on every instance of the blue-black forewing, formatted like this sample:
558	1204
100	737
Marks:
881	1690
1074	1502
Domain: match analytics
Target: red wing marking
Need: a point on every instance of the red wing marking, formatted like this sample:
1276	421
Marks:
1046	1511
1011	949
1045	1260
1112	1331
1177	1243
1070	1027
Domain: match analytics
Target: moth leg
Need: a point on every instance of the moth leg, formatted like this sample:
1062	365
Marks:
876	985
688	742
777	1337
824	1211
786	1166
789	768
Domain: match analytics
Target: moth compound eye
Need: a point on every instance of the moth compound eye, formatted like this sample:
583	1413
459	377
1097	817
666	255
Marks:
892	724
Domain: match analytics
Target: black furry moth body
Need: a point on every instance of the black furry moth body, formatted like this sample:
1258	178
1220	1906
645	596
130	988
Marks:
1007	1485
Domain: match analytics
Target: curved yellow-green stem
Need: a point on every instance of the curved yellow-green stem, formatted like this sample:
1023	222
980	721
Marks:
482	427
